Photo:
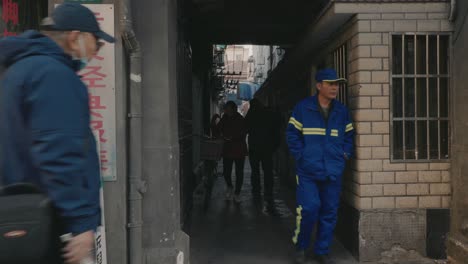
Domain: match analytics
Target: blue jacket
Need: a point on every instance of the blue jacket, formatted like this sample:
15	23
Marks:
45	134
320	149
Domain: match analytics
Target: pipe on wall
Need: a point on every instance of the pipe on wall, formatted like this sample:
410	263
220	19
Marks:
453	10
136	185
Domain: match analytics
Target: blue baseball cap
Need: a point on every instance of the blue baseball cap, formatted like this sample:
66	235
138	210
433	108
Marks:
73	16
328	75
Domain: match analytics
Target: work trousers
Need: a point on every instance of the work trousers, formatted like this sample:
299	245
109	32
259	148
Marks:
317	203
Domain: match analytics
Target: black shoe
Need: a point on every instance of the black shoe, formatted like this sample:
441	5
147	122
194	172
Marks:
300	257
270	208
324	259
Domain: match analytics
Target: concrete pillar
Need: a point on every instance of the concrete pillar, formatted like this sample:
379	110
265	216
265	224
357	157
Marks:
458	239
156	29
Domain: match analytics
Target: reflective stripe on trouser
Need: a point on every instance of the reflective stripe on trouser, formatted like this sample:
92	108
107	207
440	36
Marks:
317	202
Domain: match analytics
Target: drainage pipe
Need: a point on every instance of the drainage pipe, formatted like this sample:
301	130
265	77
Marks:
136	186
453	10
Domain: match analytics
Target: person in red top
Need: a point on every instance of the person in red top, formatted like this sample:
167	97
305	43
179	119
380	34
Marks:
233	130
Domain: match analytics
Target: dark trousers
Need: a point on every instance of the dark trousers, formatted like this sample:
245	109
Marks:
227	170
266	159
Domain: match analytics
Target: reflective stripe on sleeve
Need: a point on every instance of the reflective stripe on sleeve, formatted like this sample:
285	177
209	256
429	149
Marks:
295	123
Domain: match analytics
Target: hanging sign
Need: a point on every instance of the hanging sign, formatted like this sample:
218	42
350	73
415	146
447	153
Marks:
86	1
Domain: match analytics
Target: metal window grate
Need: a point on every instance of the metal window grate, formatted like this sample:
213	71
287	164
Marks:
420	97
340	61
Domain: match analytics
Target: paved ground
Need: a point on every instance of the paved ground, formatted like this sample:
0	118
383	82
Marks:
230	233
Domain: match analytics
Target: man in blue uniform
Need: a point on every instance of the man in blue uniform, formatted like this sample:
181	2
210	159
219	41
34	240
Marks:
320	136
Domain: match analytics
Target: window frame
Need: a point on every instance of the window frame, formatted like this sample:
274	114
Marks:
427	119
340	63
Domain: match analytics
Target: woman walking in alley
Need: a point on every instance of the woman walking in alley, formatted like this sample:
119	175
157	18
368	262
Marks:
233	129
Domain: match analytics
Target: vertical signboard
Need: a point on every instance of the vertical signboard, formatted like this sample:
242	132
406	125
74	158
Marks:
100	242
99	76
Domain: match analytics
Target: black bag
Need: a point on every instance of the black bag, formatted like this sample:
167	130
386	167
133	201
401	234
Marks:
26	225
29	230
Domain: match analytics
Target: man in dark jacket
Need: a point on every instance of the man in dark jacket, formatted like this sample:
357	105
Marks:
45	134
263	129
233	130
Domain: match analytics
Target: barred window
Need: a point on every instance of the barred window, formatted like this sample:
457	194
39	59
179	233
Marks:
340	63
420	97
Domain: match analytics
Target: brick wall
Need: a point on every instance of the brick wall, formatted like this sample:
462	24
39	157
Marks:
375	182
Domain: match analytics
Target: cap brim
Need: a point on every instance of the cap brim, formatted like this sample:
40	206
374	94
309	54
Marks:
103	35
336	80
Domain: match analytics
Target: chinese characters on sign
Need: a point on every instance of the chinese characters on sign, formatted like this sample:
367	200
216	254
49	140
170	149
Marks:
99	76
10	16
99	248
100	236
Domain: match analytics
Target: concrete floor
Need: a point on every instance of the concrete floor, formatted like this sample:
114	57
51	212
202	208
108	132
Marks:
230	233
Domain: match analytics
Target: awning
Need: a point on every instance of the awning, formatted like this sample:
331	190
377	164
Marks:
233	97
247	90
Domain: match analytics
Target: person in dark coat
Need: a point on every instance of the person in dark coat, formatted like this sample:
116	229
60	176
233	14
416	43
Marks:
264	138
233	130
45	135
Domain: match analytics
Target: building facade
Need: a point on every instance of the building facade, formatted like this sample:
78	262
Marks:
404	62
399	86
265	59
397	59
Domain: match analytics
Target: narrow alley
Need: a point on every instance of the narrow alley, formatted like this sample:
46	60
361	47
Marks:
246	233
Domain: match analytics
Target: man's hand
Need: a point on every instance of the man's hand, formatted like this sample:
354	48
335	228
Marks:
79	247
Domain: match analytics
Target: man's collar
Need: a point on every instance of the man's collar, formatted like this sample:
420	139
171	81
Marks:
314	103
